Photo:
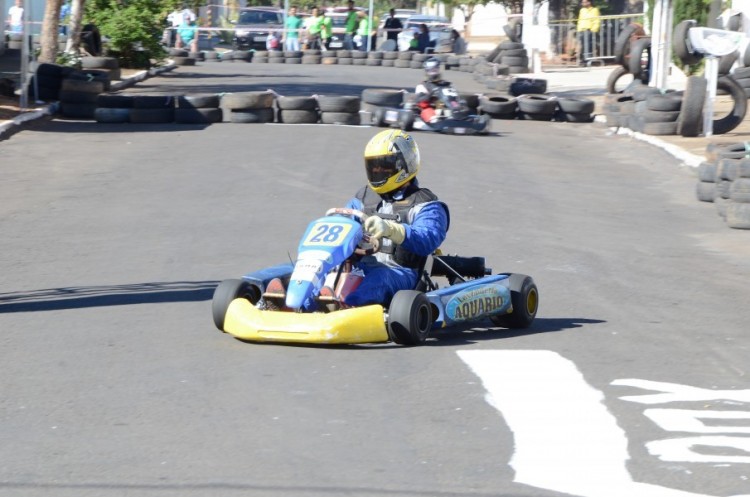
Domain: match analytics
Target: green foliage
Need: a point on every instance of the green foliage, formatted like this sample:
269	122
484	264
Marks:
68	59
133	28
684	10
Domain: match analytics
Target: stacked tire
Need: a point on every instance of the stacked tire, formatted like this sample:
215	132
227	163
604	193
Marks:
78	98
374	59
359	58
292	57
656	114
312	57
297	110
344	57
255	107
339	110
537	107
376	98
107	65
198	109
181	57
47	81
724	179
153	109
113	109
498	106
403	60
260	57
512	54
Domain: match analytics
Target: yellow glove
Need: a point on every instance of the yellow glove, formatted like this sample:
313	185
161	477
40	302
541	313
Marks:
379	228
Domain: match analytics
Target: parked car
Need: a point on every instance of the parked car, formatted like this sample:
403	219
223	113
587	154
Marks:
440	31
253	26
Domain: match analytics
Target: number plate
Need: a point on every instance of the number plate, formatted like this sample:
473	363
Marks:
460	131
260	38
336	44
329	234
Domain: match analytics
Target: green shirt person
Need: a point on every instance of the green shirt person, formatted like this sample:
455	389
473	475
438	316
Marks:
313	26
364	29
326	30
291	33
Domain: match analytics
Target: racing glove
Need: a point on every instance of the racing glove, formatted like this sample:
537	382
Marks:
379	228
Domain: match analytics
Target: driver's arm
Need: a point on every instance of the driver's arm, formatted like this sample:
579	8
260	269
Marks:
427	230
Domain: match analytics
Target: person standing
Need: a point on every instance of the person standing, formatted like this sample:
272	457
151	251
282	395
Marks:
352	22
393	26
589	20
326	31
313	26
15	17
291	33
364	30
187	35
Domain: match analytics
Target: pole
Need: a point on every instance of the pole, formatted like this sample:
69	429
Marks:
661	46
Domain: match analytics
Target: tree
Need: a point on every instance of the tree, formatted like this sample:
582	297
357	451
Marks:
74	26
50	29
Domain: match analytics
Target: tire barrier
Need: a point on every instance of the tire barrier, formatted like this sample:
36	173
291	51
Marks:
724	180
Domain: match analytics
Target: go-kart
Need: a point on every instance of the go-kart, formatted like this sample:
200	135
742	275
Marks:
452	116
305	301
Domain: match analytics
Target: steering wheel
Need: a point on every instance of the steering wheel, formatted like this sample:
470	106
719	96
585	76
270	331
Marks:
367	245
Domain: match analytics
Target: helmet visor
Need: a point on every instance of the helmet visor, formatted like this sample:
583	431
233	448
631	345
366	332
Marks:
380	169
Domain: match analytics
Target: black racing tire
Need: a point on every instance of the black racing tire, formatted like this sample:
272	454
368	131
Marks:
614	78
345	61
388	63
495	53
575	117
298	116
378	117
405	56
112	115
153	102
78	97
226	292
621	49
726	62
382	97
375	55
311	59
660	128
536	116
471	99
91	39
664	103
524	297
638	65
690	121
114	101
741	73
403	64
537	104
660	116
358	54
251	116
390	55
343	118
343	103
344	54
528	86
707	172
409	318
415	64
737	114
311	51
52	70
498	106
511	32
77	111
510	45
297	103
293	60
576	105
150	115
739	191
374	62
705	191
406	120
727	169
248	100
197	116
99	63
738	215
289	54
681	45
178	52
210	101
82	86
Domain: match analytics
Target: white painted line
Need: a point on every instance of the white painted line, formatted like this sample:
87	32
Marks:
565	438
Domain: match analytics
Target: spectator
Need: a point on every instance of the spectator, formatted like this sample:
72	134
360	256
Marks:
187	35
364	30
64	17
174	19
423	39
313	25
588	25
393	26
291	34
15	17
414	42
273	42
326	31
458	44
352	21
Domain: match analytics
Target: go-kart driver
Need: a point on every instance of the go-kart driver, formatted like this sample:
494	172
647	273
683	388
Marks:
392	162
427	91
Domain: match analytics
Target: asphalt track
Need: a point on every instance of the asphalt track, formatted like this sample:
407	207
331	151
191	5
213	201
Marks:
115	382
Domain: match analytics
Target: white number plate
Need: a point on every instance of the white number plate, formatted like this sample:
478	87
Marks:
391	115
260	38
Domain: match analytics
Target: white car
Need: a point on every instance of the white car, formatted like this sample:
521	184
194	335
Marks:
440	31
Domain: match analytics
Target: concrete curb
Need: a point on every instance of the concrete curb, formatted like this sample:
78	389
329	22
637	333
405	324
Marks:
687	158
7	128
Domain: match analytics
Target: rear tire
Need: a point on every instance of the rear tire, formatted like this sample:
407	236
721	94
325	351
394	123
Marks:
226	292
409	317
524	296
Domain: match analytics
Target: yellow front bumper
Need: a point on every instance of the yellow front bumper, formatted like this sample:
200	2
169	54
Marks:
356	325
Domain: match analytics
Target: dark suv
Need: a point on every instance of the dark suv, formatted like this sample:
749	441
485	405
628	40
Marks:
253	26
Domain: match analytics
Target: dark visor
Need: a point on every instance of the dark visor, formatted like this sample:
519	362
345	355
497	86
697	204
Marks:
379	169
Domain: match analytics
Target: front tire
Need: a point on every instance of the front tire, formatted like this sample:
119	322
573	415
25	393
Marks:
226	292
524	296
406	120
409	317
378	118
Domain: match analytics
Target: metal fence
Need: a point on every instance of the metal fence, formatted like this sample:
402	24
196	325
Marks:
569	45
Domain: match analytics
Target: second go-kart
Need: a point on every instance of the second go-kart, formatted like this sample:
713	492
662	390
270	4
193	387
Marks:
453	116
305	301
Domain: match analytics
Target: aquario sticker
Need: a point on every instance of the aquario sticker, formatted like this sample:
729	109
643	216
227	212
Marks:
476	302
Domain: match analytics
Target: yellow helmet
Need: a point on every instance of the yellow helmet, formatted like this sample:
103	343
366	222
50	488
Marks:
391	160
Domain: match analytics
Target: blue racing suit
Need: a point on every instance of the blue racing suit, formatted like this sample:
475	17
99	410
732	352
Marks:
396	267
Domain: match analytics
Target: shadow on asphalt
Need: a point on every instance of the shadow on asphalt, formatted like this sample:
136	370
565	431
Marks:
54	299
461	335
